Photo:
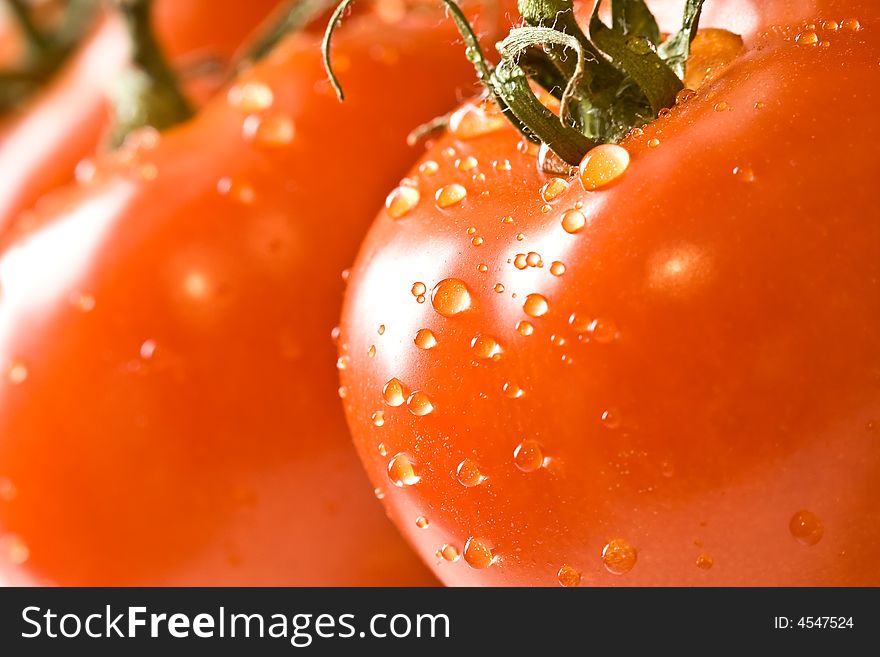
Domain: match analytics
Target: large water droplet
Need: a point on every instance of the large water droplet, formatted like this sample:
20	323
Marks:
425	339
485	347
528	456
573	221
394	393
603	165
401	471
536	305
553	188
450	297
568	576
449	553
477	553
450	195
419	403
618	556
806	527
468	474
401	201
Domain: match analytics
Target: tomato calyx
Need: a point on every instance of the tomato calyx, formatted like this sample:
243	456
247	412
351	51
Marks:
47	48
620	78
149	93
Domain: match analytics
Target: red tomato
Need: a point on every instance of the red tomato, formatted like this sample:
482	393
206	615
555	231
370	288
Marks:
40	149
671	380
169	410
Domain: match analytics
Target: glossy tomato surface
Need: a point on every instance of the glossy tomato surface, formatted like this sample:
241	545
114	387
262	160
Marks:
169	409
671	380
67	121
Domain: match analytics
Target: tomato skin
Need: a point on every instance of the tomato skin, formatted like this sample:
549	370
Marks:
177	421
730	383
66	122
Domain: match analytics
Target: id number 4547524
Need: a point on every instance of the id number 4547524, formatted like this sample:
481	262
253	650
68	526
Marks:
813	622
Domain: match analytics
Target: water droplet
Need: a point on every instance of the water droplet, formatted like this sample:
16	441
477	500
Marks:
450	195
238	190
342	392
507	220
512	390
653	142
378	418
468	474
603	165
684	95
806	527
449	553
852	24
482	268
8	490
379	493
471	121
381	329
466	163
721	106
383	451
401	471
618	556
520	261
419	403
705	561
148	349
425	339
250	97
394	393
429	168
744	174
502	165
528	456
269	130
401	201
371	352
760	105
450	297
85	171
557	340
568	576
536	305
553	188
533	259
573	221
418	289
477	553
525	327
557	268
17	373
807	38
422	522
342	362
602	331
830	26
477	241
499	288
485	346
611	418
16	549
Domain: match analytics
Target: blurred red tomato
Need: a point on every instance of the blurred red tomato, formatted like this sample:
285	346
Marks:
65	123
